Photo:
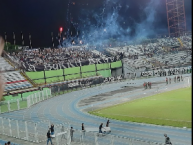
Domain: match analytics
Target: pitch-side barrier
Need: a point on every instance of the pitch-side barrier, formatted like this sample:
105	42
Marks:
36	132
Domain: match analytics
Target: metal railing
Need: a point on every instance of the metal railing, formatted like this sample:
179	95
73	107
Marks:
36	132
23	103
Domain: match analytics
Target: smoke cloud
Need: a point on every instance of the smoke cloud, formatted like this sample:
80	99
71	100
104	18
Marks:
115	21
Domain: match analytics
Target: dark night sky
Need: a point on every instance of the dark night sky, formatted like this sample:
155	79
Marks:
41	17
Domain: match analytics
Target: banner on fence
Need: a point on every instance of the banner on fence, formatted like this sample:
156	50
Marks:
83	83
164	72
147	73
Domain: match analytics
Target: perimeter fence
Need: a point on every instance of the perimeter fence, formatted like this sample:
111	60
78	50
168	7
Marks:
23	103
36	132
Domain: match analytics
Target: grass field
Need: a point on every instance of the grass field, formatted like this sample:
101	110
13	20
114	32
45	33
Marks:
171	108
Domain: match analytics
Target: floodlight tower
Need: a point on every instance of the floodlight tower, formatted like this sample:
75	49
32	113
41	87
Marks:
176	17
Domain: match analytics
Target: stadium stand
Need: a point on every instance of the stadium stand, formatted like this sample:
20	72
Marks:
157	53
163	52
5	66
15	81
51	56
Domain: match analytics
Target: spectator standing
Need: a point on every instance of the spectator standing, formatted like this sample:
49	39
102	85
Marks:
170	80
100	128
181	78
49	137
83	129
167	140
52	129
150	85
174	72
169	73
175	79
62	130
71	133
166	81
144	84
107	125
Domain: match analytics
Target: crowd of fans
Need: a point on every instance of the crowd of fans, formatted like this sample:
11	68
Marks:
160	47
157	47
52	56
162	52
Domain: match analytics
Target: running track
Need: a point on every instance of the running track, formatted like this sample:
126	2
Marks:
64	108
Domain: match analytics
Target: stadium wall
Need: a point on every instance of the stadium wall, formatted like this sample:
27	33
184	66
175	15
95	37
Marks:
105	70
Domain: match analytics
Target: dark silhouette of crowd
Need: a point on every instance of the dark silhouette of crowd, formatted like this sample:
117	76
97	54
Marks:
53	56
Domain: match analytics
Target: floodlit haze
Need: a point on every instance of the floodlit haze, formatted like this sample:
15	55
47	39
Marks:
95	21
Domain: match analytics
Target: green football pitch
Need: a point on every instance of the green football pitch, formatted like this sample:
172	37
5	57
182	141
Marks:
171	108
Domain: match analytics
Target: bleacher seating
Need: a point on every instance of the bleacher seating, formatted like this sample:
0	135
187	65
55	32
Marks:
14	80
187	41
5	66
160	57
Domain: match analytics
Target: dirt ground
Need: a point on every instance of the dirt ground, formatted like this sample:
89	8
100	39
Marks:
125	94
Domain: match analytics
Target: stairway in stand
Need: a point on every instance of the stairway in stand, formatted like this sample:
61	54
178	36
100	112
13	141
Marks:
180	42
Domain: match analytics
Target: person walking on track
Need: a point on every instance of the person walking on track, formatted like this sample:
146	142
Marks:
100	128
107	125
49	139
62	130
83	129
167	140
71	133
52	129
